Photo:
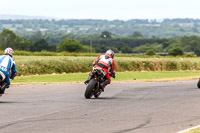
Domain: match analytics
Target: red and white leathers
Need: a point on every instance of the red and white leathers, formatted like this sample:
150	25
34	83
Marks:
107	64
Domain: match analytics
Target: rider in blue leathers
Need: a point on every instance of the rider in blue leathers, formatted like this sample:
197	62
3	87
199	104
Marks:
7	64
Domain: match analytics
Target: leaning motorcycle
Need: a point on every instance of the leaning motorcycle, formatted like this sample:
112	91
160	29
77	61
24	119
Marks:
3	85
93	87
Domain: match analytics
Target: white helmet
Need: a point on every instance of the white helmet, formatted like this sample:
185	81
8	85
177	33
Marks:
9	51
110	52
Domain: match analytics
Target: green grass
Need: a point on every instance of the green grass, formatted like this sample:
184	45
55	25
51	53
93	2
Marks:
154	75
122	76
196	130
40	58
32	65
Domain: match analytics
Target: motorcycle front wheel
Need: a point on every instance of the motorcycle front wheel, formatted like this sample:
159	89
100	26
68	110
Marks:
97	94
198	84
90	88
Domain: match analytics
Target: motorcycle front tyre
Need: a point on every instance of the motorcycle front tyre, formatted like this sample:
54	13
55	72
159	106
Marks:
198	84
90	89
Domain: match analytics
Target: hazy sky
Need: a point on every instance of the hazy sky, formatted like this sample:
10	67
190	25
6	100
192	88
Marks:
103	9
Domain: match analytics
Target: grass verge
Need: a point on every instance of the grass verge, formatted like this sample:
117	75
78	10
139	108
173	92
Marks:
120	77
32	65
197	130
192	130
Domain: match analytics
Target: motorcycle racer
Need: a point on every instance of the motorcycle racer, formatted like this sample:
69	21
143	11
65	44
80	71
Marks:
107	64
7	64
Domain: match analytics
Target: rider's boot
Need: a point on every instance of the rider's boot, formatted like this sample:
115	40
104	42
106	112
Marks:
89	78
103	84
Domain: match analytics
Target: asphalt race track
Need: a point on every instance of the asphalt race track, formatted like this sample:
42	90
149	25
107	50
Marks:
138	107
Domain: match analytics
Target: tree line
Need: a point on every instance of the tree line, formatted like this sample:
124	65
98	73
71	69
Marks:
149	28
99	43
9	39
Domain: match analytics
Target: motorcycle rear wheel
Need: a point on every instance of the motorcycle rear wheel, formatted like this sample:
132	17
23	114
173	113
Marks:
89	92
198	84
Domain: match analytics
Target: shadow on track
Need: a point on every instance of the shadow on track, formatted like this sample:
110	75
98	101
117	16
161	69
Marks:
108	98
8	102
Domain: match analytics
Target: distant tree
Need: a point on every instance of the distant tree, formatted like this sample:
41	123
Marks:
191	44
166	44
137	34
126	49
88	49
52	47
105	34
114	49
25	45
9	39
69	45
100	48
172	45
195	46
143	48
150	52
40	45
176	51
154	37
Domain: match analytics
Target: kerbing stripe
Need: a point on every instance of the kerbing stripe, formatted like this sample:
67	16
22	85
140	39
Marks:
186	130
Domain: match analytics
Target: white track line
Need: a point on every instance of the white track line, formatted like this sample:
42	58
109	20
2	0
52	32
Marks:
186	130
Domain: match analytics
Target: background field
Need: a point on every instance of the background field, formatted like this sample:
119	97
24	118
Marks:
31	65
120	76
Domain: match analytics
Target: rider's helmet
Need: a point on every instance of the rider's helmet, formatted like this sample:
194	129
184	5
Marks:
110	52
9	51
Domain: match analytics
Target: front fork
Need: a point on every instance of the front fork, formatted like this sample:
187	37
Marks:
91	75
